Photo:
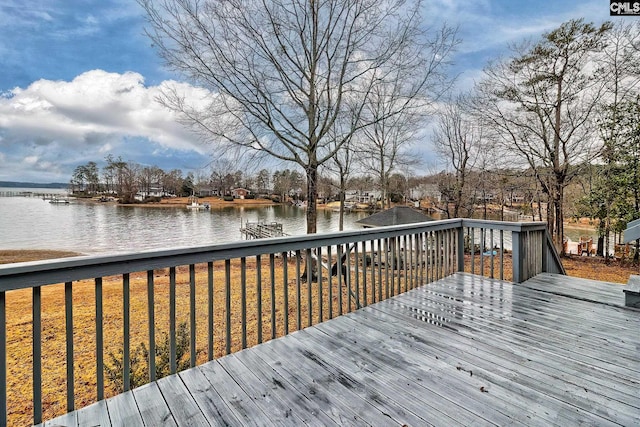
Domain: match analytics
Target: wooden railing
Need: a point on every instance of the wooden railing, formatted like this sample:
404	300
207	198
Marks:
226	297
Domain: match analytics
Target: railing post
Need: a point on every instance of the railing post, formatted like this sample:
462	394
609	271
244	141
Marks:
545	251
517	256
460	248
3	359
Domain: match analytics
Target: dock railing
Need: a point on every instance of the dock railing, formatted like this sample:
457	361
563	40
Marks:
76	330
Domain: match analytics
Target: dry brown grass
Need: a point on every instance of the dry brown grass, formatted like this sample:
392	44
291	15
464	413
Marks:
596	268
11	256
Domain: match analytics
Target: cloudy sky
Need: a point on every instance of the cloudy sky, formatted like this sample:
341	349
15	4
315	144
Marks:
78	78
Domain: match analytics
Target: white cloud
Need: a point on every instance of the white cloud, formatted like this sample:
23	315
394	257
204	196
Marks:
31	160
94	103
95	114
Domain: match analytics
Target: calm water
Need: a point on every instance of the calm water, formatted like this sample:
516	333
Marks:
32	223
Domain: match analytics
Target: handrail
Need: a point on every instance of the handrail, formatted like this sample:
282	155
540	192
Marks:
280	284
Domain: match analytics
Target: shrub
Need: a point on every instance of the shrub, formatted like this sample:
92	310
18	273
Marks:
228	198
139	360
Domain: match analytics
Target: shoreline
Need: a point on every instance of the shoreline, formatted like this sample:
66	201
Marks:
182	202
10	256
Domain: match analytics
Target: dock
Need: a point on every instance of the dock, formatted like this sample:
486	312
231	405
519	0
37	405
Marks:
22	193
261	230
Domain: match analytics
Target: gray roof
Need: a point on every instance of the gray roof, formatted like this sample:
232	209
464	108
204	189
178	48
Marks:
632	232
394	216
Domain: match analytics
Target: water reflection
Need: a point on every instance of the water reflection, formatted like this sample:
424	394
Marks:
31	223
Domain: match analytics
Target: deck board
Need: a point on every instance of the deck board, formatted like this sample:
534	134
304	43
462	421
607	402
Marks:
589	290
93	415
153	407
182	405
464	350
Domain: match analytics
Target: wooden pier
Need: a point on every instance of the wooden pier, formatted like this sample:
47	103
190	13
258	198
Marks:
40	195
261	230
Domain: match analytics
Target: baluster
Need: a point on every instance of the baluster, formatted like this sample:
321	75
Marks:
357	274
173	363
348	278
472	247
37	355
309	266
272	274
339	271
3	359
152	326
192	314
285	291
243	300
320	290
330	280
126	322
364	274
405	262
227	291
501	254
210	308
99	341
68	303
386	268
372	267
491	250
298	292
259	296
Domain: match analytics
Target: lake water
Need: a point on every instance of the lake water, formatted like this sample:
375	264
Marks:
96	228
91	228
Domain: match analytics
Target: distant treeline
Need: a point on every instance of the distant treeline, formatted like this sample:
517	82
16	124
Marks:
15	184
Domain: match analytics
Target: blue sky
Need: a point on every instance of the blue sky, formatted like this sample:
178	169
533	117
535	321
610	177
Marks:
78	78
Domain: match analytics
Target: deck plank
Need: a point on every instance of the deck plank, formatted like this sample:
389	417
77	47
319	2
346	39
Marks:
406	391
431	370
123	411
93	415
464	350
153	407
66	420
207	398
343	404
266	398
568	337
357	380
310	411
588	290
182	405
522	383
236	398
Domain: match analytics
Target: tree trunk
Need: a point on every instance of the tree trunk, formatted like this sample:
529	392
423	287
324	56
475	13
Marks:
559	216
343	185
312	197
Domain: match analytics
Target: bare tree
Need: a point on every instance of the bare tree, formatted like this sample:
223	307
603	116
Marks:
342	165
281	72
541	105
457	138
621	60
383	145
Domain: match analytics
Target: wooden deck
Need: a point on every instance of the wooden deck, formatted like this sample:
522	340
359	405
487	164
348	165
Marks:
462	351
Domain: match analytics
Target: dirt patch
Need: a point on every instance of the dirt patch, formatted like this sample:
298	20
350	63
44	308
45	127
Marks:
597	268
11	256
